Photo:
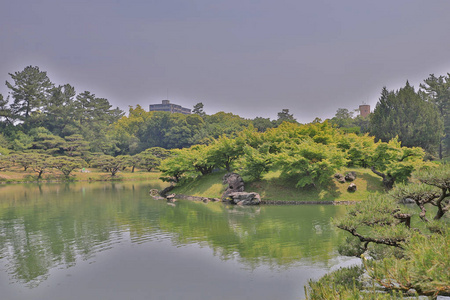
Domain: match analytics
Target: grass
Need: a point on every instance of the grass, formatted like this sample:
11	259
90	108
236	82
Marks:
206	186
272	187
92	174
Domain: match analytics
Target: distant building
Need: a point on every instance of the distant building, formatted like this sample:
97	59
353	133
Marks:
364	110
170	107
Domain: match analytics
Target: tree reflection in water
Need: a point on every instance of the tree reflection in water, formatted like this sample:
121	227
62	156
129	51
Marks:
54	225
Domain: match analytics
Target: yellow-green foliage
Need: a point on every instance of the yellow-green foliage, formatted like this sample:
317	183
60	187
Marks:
345	284
307	155
272	187
421	260
425	268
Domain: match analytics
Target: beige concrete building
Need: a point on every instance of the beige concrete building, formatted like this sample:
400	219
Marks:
170	107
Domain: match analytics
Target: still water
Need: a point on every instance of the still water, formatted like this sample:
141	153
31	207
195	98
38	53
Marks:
113	241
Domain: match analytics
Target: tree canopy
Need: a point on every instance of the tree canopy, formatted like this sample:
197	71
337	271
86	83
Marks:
437	91
404	114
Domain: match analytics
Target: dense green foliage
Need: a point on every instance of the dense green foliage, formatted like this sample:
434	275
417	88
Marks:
405	114
41	114
306	155
403	250
437	91
39	117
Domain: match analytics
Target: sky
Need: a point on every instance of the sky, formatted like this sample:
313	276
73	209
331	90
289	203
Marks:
249	57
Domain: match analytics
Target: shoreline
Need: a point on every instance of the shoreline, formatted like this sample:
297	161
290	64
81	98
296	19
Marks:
267	202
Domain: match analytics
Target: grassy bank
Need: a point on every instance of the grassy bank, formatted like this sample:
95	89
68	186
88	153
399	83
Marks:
91	174
272	187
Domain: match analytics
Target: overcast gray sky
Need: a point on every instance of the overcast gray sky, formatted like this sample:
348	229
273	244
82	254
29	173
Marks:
252	58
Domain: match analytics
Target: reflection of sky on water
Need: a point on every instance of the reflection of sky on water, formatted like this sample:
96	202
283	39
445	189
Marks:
161	270
114	242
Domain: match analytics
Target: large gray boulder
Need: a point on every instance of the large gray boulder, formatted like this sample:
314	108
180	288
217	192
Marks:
350	176
339	177
244	198
351	188
234	183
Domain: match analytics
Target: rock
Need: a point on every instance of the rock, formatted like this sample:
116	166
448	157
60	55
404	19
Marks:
350	176
351	188
407	201
171	198
235	184
153	192
243	198
339	177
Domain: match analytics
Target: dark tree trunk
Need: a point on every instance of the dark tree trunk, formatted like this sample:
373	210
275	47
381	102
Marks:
388	181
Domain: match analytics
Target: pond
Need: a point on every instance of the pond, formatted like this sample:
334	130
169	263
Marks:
108	240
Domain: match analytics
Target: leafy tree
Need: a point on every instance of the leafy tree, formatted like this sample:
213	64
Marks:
75	145
125	130
59	109
309	163
5	163
45	141
95	117
285	116
343	118
256	162
158	152
109	163
198	110
131	123
182	131
176	166
166	130
21	141
39	163
405	114
122	141
222	123
147	160
29	90
4	143
439	178
358	149
262	124
198	156
224	151
5	114
23	159
437	91
406	254
394	163
152	157
67	164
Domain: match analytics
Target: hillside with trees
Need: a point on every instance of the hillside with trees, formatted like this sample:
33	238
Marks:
40	120
45	127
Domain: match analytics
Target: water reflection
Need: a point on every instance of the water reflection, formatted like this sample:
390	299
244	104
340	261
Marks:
56	225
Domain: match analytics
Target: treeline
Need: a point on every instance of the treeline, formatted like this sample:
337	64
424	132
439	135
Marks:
305	155
44	126
404	248
418	119
38	115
